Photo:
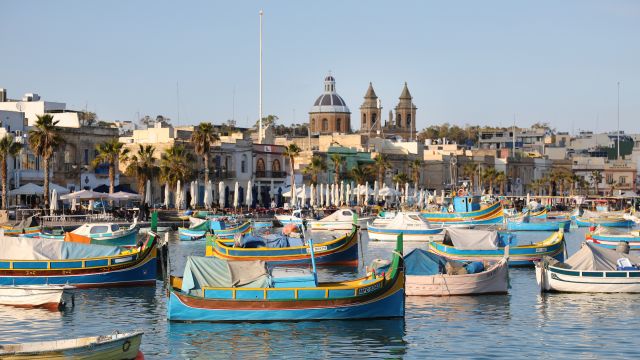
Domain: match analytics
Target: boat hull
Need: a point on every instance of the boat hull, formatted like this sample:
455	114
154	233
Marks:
539	226
612	242
31	296
552	279
494	280
493	214
33	230
336	225
408	235
231	232
128	238
585	222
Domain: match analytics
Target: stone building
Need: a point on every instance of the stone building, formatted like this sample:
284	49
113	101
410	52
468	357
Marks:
403	124
329	114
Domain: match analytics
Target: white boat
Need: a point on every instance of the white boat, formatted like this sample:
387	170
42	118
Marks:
413	227
49	296
428	274
115	346
342	219
592	269
296	217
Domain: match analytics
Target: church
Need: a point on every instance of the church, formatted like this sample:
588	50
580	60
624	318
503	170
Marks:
330	114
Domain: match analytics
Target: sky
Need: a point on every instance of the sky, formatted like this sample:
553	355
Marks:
465	62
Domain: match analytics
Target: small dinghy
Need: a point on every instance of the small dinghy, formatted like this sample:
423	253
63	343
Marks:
610	238
114	346
47	296
411	225
591	269
342	219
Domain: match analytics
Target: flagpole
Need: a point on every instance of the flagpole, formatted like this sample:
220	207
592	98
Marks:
260	100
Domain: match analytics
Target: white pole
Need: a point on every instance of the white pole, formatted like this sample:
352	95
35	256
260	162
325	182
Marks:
618	158
260	101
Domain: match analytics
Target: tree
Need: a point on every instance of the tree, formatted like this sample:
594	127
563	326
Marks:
87	118
337	160
489	174
108	153
361	174
291	151
175	164
469	171
380	165
8	148
317	166
44	139
501	179
142	166
203	137
401	178
596	179
416	167
266	121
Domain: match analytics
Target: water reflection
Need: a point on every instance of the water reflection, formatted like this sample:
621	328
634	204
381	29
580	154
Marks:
325	339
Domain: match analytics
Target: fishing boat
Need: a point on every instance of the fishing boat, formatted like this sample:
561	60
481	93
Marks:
109	234
539	214
224	232
341	219
197	229
481	245
411	225
32	261
610	238
114	346
47	296
525	223
607	221
428	274
296	217
26	226
246	291
591	269
277	249
467	211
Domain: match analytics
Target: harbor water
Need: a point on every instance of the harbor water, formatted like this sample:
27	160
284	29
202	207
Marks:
522	323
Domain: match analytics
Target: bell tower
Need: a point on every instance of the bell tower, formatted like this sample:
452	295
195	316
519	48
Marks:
370	113
406	115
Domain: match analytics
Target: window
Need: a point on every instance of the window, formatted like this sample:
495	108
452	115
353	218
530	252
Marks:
408	120
364	121
275	166
313	125
260	166
609	179
373	119
325	124
99	229
85	159
398	119
243	163
338	125
115	227
622	180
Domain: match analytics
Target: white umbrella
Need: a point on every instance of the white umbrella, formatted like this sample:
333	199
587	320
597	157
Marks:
366	193
74	204
147	195
54	200
321	195
406	193
221	194
294	195
236	195
376	191
303	196
85	195
312	200
167	201
192	194
348	194
178	194
196	194
207	195
183	198
249	198
327	196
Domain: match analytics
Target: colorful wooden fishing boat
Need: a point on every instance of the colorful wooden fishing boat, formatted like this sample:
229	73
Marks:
11	231
291	296
340	251
611	238
591	269
124	346
108	234
525	224
27	261
539	214
411	225
428	274
197	229
341	219
47	296
617	221
464	244
467	212
229	233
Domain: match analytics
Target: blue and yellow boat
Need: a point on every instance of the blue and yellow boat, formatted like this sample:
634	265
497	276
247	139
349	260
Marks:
527	224
341	251
607	221
611	238
463	244
467	211
198	229
80	265
250	293
108	234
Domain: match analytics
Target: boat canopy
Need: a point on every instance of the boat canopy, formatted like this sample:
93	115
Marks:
593	257
340	215
195	222
421	262
19	248
472	239
408	220
269	241
96	228
200	272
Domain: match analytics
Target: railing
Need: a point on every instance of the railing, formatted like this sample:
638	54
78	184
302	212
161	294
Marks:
271	174
75	219
222	174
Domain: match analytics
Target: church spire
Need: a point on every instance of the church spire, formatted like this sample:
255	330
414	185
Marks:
405	92
371	94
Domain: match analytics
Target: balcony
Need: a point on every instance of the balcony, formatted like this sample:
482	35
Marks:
271	174
219	174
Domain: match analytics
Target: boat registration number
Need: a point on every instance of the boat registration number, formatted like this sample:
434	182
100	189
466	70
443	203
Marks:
539	250
317	248
368	289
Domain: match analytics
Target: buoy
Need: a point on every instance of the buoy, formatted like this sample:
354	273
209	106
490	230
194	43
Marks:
140	355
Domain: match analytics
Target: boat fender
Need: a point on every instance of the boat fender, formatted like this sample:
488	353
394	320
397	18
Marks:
126	345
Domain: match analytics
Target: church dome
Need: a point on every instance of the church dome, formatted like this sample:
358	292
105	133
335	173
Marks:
329	101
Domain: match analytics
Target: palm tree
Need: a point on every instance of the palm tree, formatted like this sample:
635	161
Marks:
108	153
202	138
380	165
142	166
416	167
315	167
596	179
7	148
469	171
44	139
401	178
501	178
175	164
361	174
337	160
291	151
489	174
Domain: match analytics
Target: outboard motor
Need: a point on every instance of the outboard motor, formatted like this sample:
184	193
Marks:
623	247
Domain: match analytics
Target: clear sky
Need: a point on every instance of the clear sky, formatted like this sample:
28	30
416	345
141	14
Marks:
476	62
